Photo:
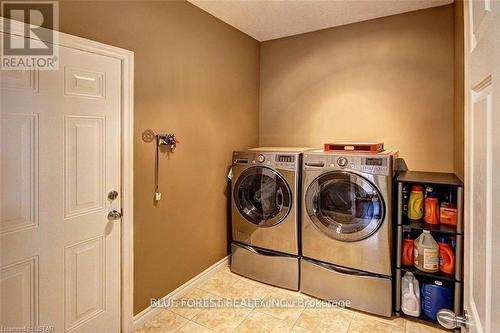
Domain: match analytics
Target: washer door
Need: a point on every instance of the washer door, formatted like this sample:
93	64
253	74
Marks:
345	206
262	196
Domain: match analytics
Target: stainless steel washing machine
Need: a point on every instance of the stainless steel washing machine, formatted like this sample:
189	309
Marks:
347	228
265	213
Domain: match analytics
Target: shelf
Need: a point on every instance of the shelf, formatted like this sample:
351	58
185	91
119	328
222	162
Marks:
438	275
437	178
421	319
421	225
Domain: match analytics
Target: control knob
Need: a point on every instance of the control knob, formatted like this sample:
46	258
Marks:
261	158
342	162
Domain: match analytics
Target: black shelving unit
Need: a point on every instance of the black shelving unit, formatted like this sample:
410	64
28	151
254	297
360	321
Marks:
448	182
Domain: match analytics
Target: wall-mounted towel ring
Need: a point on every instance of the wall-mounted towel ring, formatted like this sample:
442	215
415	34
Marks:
160	140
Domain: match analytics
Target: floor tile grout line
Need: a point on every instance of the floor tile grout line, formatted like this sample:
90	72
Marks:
203	326
278	318
297	319
241	322
187	321
350	322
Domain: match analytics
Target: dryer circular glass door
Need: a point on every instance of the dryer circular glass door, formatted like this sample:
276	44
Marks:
262	196
345	206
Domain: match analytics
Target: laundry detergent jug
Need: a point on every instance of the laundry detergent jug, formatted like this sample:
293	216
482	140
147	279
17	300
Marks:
426	253
407	255
416	203
410	295
431	208
435	297
446	256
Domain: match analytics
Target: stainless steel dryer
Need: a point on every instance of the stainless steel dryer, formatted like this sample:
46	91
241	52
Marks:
265	213
347	228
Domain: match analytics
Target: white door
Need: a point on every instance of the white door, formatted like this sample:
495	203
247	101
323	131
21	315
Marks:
60	156
482	165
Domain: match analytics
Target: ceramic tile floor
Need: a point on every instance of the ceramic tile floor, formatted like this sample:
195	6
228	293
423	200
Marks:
240	319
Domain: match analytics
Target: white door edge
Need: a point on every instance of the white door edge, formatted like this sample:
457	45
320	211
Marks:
127	238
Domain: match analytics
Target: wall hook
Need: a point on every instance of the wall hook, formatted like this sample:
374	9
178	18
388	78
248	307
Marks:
161	140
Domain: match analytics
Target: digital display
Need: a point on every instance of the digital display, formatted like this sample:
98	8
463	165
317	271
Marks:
374	161
285	158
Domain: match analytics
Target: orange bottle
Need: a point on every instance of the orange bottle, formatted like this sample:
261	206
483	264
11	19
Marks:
407	255
446	256
431	208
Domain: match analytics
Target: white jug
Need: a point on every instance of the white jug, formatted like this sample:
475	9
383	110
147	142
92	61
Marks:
426	253
410	295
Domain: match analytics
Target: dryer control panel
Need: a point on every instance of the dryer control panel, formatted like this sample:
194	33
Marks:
376	164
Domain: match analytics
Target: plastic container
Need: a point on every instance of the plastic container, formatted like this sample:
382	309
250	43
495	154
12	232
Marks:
416	203
448	213
410	295
446	256
407	255
431	208
426	253
435	297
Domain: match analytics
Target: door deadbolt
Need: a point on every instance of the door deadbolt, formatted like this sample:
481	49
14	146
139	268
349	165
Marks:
112	195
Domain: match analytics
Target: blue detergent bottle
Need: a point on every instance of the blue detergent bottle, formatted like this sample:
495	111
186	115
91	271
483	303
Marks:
435	297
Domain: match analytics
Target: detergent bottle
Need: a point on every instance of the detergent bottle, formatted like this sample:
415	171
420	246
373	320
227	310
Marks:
431	208
426	253
446	256
416	203
407	255
410	295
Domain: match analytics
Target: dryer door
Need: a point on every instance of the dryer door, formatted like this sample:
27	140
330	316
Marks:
262	196
344	206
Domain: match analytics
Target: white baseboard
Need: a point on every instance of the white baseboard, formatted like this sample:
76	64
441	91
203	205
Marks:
150	312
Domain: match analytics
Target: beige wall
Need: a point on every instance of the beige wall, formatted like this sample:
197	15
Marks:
459	102
197	77
389	79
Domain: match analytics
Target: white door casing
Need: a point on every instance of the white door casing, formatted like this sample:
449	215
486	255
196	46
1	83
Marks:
482	163
66	141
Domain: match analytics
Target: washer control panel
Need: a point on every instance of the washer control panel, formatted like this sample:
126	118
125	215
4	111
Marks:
286	161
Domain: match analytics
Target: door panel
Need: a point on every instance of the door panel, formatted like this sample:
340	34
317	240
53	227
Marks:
19	290
480	231
83	165
60	156
19	172
482	160
84	281
480	14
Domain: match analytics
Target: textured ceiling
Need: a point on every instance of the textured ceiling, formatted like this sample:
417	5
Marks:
271	19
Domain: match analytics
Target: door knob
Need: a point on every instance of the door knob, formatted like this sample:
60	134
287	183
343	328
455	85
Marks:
448	319
114	215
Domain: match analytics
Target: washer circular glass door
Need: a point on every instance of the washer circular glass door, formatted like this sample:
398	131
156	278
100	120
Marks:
262	196
345	206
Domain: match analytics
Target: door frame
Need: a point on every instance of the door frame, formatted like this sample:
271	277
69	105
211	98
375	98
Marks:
126	58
